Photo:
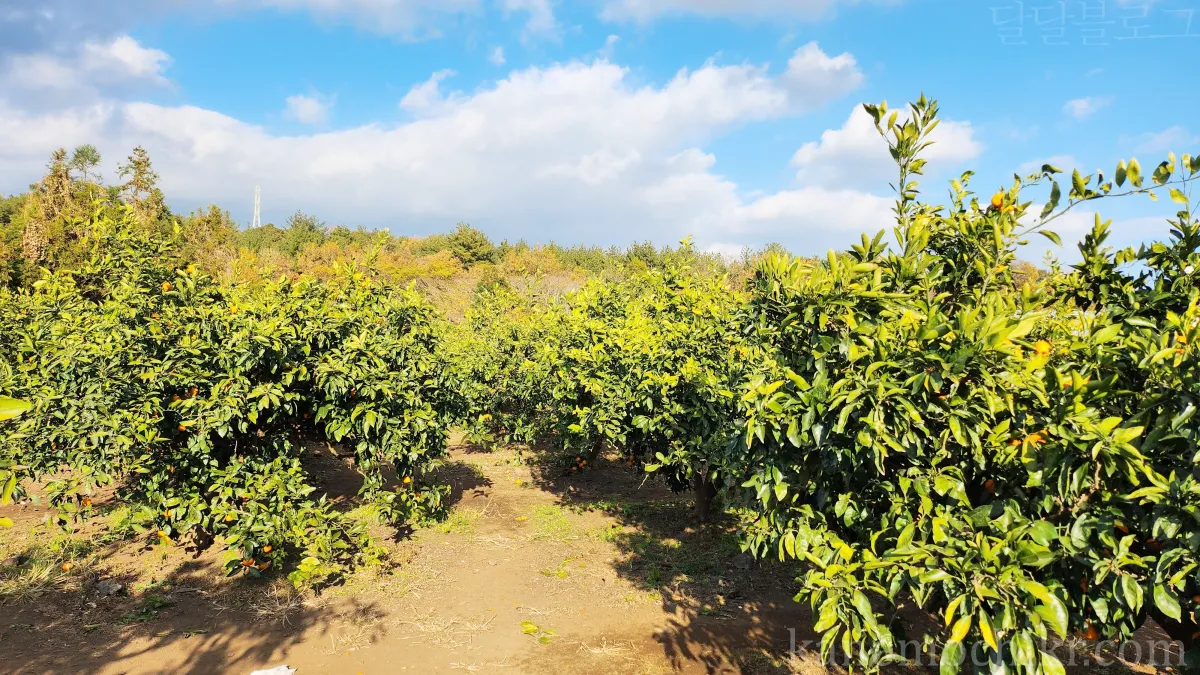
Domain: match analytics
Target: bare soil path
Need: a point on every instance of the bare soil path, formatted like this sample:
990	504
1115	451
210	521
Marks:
533	572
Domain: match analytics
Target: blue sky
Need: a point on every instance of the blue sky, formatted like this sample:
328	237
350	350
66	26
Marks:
600	121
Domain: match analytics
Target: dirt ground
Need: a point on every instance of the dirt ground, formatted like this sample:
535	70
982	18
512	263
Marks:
534	572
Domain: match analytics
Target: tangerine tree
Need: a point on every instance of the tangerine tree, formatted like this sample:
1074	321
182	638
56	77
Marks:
1016	461
198	401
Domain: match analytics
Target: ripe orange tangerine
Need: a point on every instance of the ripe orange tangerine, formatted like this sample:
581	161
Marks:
998	199
166	286
67	567
1042	348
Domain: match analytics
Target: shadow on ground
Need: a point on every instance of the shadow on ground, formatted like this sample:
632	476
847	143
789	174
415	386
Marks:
190	622
724	608
729	612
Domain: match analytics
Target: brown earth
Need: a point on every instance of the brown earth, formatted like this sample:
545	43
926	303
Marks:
534	572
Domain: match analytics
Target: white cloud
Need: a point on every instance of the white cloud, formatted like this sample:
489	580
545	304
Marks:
122	60
541	22
647	10
856	155
1083	108
496	58
574	152
816	77
426	97
307	109
125	57
610	46
1173	139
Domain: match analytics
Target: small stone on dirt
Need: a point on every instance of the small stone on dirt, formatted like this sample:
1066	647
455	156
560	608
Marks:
107	588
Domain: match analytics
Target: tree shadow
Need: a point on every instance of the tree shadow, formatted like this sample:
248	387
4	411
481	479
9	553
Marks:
192	621
722	604
726	608
467	482
335	475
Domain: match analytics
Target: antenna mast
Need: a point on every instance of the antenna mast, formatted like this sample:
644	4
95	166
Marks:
257	207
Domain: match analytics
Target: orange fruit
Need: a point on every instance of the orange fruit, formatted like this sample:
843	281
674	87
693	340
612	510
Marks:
267	548
87	502
1042	348
1083	585
181	428
66	567
248	563
1181	339
998	199
229	517
264	566
990	486
1014	443
583	463
162	534
407	480
1120	527
166	286
175	398
191	269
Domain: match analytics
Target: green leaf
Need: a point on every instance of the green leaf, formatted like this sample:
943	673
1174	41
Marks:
1051	665
1178	196
1166	602
6	492
953	607
952	658
1132	590
529	627
961	628
985	629
1052	236
11	408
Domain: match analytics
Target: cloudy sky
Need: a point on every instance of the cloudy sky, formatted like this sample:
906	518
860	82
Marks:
594	121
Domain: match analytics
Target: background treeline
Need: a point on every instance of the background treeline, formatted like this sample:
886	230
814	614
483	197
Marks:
45	228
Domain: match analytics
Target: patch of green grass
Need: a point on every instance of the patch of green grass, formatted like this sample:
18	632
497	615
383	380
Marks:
550	521
49	560
459	521
560	572
664	561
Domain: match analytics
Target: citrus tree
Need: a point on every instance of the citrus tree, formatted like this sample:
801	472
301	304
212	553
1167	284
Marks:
1015	461
198	400
649	365
497	375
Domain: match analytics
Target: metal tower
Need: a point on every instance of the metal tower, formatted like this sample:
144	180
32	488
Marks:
257	207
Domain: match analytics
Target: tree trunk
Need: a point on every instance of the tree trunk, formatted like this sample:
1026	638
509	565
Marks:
705	491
